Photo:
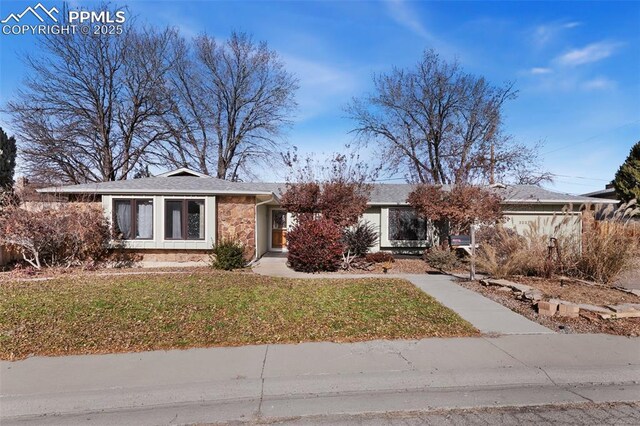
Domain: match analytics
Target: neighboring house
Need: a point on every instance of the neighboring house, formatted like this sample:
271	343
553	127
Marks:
608	193
180	214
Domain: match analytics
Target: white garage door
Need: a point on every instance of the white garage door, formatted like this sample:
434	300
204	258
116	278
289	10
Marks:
548	224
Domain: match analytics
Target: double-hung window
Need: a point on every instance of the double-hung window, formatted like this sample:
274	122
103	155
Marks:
406	225
133	218
184	219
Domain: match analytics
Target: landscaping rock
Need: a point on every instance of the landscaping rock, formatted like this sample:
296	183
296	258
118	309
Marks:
503	283
515	286
594	308
629	290
570	310
615	315
547	308
625	307
534	295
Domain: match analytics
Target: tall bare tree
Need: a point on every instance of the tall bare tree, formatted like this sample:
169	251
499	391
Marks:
439	125
229	102
90	106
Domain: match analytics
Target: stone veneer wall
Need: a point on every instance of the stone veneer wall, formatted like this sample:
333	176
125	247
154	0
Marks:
168	255
236	220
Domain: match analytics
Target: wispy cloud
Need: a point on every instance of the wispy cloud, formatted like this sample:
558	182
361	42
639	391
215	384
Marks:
322	86
540	70
599	83
591	53
544	34
403	14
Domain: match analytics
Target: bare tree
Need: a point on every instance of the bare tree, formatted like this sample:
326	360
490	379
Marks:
439	125
90	106
229	104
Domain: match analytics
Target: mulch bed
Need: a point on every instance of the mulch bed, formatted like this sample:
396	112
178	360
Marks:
573	292
401	265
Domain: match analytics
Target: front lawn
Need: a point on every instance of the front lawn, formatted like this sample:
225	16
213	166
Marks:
83	314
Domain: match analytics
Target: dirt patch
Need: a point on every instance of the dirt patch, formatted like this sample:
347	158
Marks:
631	278
586	323
576	292
401	265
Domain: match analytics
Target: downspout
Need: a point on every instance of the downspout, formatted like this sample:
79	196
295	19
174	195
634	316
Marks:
255	230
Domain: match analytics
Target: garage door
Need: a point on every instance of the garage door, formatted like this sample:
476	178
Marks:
548	224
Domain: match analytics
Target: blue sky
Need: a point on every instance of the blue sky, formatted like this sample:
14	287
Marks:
576	64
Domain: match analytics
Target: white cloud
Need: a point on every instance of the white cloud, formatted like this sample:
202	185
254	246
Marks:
544	34
570	25
540	70
322	87
599	83
405	16
591	53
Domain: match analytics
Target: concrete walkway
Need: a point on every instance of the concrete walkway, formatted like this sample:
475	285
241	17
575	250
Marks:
265	382
486	315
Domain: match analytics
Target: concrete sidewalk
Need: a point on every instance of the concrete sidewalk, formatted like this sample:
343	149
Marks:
276	381
486	315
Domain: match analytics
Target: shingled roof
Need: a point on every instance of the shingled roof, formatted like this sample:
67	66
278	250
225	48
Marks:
389	194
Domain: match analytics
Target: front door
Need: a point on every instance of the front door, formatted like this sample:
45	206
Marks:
278	229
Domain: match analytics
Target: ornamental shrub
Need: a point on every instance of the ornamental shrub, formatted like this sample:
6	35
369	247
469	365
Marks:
228	255
360	238
380	257
315	245
441	259
69	235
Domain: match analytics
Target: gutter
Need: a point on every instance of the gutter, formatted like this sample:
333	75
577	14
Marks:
537	201
152	192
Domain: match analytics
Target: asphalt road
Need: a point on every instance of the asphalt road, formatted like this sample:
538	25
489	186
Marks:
576	414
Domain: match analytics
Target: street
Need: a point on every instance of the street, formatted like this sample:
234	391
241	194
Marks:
271	382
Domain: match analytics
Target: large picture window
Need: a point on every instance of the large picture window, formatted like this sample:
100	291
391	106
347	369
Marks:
133	219
406	225
184	220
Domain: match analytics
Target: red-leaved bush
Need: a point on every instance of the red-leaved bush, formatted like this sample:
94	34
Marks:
69	235
342	202
315	245
461	206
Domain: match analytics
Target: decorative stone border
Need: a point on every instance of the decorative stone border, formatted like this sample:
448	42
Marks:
564	308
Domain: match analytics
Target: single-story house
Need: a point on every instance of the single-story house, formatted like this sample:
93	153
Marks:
179	215
609	193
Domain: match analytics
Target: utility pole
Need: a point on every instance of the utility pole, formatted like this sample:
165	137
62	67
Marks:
472	274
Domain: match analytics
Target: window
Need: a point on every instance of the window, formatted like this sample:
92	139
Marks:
406	225
133	219
184	220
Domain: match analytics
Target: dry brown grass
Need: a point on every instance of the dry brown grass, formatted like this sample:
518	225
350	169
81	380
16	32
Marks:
82	314
609	249
606	248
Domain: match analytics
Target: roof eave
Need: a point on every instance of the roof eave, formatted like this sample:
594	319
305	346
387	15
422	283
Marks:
151	192
592	201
